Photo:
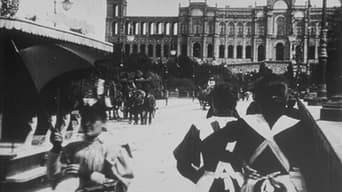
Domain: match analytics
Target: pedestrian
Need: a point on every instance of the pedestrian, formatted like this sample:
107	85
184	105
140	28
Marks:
206	173
92	162
274	151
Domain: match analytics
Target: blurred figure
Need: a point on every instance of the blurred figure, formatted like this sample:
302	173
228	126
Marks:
91	162
196	164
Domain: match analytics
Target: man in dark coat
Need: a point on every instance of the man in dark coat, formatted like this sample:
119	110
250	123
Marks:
198	166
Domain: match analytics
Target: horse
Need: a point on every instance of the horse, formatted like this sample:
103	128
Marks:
135	105
149	108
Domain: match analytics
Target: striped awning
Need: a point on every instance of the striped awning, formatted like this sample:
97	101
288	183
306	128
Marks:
53	33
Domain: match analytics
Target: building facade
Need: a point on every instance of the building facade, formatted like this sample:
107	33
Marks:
278	32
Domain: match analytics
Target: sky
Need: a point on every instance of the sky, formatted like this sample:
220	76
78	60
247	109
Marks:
170	7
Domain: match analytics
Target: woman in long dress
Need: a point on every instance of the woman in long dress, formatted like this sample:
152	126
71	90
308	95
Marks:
193	163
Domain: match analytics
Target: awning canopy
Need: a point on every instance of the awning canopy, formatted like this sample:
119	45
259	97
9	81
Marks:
53	33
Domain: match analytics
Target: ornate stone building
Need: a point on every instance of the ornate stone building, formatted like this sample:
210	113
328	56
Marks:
278	32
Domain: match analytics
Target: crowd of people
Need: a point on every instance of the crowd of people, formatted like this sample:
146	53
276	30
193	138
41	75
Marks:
268	149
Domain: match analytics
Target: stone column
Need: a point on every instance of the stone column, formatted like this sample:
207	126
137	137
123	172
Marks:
139	48
162	50
235	49
146	48
204	48
254	40
269	49
130	48
316	49
305	50
179	45
225	49
2	78
244	49
216	46
154	49
189	48
254	50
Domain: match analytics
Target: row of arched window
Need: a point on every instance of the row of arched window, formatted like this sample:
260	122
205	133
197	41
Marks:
240	29
239	53
150	50
159	50
231	28
198	53
144	28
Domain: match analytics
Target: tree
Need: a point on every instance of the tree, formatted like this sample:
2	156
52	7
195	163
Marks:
138	61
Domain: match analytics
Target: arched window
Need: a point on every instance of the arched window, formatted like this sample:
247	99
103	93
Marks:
135	48
150	50
281	26
299	53
184	50
230	51
222	28
175	29
248	52
239	51
127	49
143	28
197	50
158	50
261	53
260	27
231	29
167	29
211	27
115	28
136	28
197	28
116	10
280	52
128	28
280	5
221	51
143	48
299	28
312	52
248	29
210	51
240	29
159	28
166	50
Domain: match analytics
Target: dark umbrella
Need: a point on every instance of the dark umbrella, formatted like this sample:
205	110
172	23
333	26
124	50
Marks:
47	62
54	65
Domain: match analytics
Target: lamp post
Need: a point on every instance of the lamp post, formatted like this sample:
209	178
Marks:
323	55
